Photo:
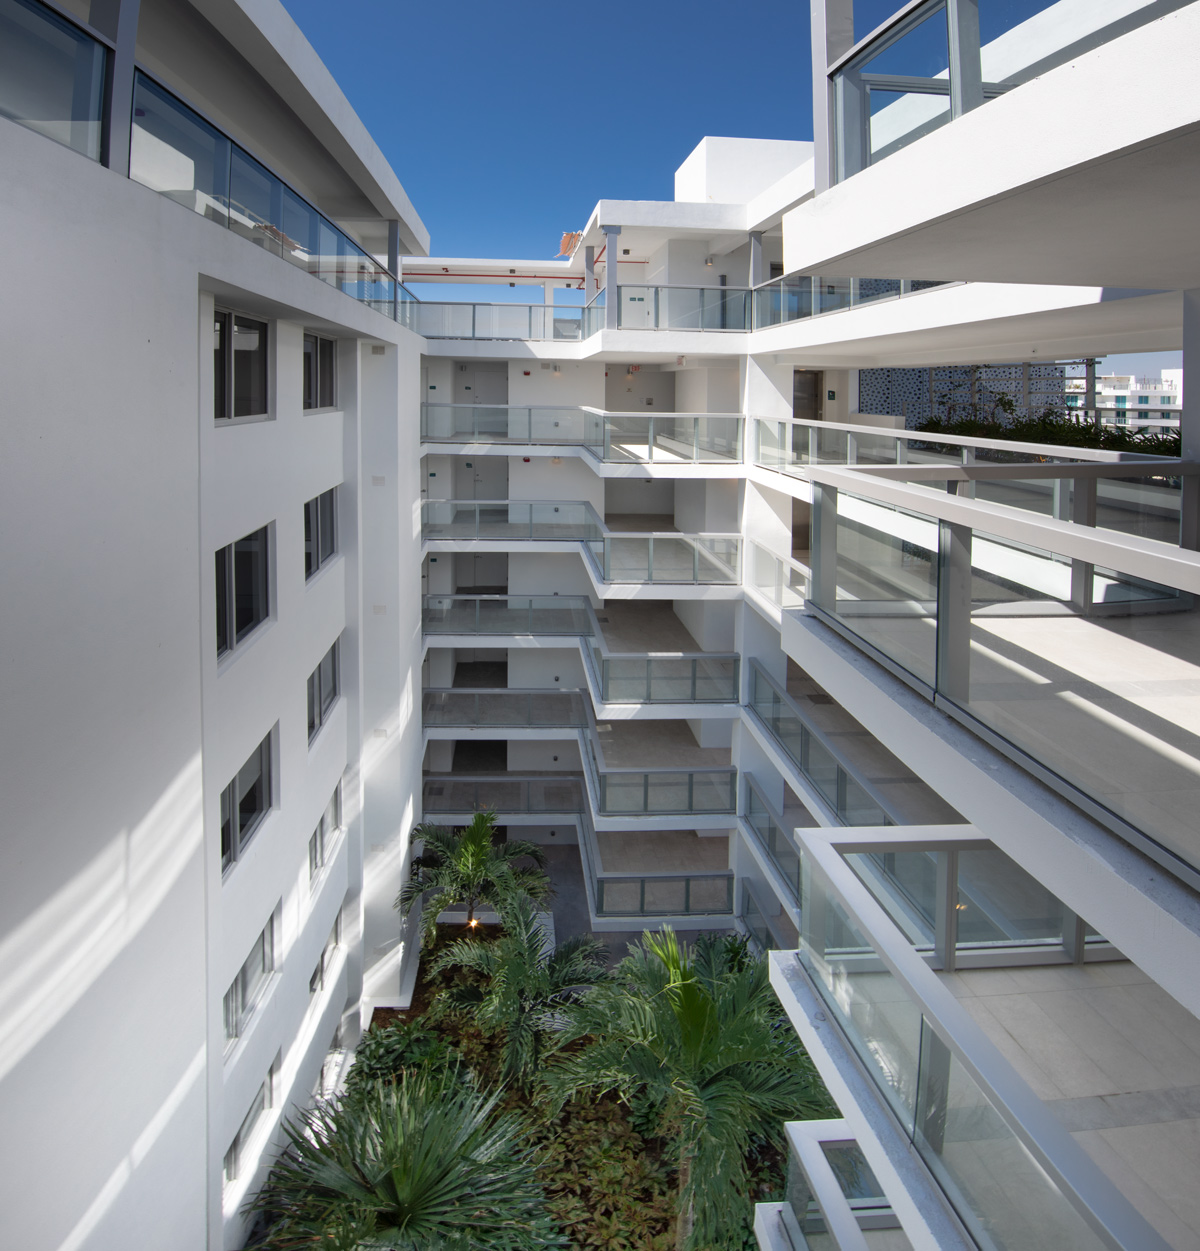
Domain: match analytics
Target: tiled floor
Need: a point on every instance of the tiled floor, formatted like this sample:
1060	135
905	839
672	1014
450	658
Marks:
656	745
662	851
644	626
1118	1062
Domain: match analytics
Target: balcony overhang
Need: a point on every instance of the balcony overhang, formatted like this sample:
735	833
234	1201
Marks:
1088	174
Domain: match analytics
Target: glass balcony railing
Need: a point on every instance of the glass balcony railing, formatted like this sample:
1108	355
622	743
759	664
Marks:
777	578
668	438
700	679
845	794
680	558
503	707
965	1137
507	614
1087	668
178	154
508	520
773	837
660	792
534	322
906	78
797	297
505	794
53	76
666	895
683	308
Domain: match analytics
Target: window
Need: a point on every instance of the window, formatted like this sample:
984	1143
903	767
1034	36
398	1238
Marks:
246	989
318	372
323	835
244	803
316	983
1072	401
243	600
263	1100
1167	399
1122	400
1143	399
239	366
322	691
320	541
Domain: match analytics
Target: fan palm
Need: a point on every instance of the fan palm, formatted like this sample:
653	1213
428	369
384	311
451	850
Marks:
422	1165
467	867
526	984
700	1036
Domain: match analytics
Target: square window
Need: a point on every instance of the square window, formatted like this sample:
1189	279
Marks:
239	366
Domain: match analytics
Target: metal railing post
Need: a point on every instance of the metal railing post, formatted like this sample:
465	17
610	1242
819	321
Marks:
953	624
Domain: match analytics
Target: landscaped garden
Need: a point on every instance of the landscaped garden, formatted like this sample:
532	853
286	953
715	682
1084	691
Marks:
533	1097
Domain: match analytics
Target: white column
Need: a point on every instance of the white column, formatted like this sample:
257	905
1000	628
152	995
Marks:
832	36
612	250
1189	420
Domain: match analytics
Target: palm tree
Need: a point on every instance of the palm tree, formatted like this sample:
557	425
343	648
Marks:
526	985
701	1036
424	1163
466	866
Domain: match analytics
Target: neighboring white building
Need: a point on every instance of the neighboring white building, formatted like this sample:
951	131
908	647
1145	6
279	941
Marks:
1140	403
293	560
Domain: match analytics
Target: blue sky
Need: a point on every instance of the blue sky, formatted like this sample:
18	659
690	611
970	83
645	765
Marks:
506	122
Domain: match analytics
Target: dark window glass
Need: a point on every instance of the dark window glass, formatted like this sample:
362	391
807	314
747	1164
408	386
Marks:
249	367
325	503
223	640
51	76
319	388
226	826
221	366
250	582
174	152
320	531
253	792
310	371
322	690
325	388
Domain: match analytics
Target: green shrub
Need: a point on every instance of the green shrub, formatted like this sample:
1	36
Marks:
385	1054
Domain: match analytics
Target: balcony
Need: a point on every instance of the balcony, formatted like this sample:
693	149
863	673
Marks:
613	438
521	322
660	874
1007	1077
504	708
510	521
1070	644
549	615
656	768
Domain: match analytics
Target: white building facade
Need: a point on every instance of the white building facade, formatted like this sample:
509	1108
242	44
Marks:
301	550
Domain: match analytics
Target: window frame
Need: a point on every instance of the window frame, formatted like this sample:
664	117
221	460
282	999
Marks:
260	1105
228	637
319	386
320	532
316	983
240	836
322	695
225	326
243	997
324	836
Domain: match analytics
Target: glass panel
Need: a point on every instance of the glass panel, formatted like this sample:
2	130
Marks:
831	294
254	202
880	1019
221	336
223	578
314	702
249	367
51	76
311	531
326	397
854	1175
326	504
1003	1195
250	582
998	902
905	883
227	802
887	581
174	152
328	680
899	117
1149	507
1105	695
309	383
253	790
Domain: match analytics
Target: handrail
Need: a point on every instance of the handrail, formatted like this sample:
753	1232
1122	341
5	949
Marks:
835	753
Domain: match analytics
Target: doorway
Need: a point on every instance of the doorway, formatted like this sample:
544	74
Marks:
481	477
808	393
481	382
